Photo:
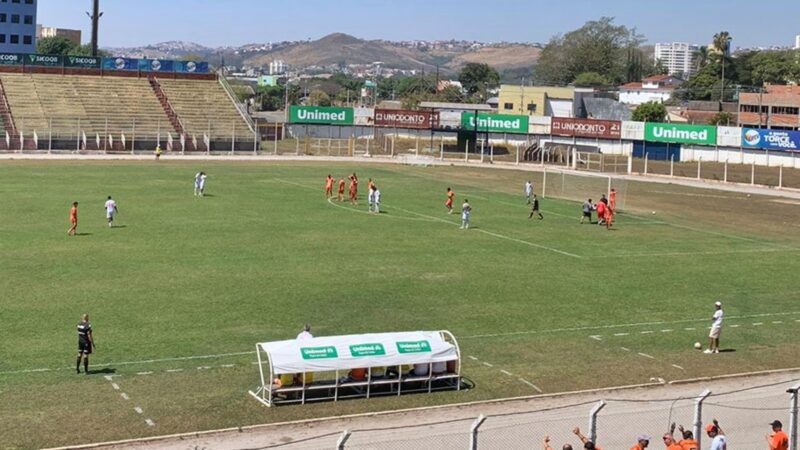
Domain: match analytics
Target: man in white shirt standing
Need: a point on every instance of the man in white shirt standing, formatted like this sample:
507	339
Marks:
718	440
528	191
376	195
305	333
716	329
466	210
111	209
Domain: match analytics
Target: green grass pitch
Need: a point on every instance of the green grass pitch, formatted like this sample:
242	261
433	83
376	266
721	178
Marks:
181	290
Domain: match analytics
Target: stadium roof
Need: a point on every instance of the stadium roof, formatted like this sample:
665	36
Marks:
456	106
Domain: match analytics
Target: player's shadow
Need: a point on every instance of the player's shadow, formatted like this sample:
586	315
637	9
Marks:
83	234
727	350
207	195
103	371
119	226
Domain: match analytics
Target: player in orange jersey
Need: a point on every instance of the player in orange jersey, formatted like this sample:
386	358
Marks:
612	199
329	187
608	216
340	197
449	203
353	188
73	219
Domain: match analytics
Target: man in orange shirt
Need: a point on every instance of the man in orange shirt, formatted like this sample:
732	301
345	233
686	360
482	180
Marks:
608	216
449	203
340	197
669	441
612	199
73	219
353	188
642	442
329	187
688	442
778	440
587	443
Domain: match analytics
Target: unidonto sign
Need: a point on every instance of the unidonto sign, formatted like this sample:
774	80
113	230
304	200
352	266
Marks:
680	134
495	123
321	115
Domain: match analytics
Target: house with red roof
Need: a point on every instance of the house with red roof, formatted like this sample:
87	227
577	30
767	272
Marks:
657	88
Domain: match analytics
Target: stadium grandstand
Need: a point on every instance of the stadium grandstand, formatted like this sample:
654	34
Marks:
119	113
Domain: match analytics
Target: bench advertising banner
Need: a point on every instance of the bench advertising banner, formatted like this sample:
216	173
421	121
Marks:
588	128
156	65
85	62
495	123
44	60
788	141
191	67
120	64
11	59
681	134
400	118
321	115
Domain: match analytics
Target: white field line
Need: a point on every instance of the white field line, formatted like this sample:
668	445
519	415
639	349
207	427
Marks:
678	367
625	325
625	349
531	385
149	422
144	373
707	253
472	358
646	355
138	410
596	337
115	386
599	337
500	236
124	396
388	216
506	372
487	364
475	336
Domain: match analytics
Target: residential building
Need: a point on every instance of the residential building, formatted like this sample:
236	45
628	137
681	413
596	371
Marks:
73	36
18	26
797	42
536	100
277	67
677	57
778	107
658	88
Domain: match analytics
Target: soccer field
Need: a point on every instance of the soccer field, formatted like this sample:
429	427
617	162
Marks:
183	287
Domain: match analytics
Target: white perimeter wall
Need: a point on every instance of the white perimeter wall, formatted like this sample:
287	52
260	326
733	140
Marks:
736	155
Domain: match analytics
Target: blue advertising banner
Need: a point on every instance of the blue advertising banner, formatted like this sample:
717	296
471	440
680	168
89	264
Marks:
156	65
191	67
771	139
120	64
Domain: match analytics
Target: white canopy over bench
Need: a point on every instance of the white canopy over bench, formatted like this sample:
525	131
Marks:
338	355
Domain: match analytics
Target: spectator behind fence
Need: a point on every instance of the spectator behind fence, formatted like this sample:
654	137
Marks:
587	444
718	440
641	442
547	445
778	440
670	442
687	441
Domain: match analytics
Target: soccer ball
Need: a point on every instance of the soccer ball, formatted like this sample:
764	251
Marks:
654	213
698	346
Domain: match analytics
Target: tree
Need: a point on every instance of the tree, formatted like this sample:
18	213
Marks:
722	118
700	57
54	46
477	79
319	98
722	43
598	46
590	79
270	97
650	112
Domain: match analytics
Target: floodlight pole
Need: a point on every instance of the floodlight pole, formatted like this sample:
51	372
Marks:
95	16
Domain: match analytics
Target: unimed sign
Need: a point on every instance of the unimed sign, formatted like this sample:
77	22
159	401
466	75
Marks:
400	118
587	128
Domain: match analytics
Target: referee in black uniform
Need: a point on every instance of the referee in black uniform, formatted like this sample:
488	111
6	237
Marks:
85	344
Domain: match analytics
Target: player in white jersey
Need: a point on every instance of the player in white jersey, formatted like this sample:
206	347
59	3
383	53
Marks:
528	191
716	329
111	209
376	194
371	196
466	209
197	177
203	183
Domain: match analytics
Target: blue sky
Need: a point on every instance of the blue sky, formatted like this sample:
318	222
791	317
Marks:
234	22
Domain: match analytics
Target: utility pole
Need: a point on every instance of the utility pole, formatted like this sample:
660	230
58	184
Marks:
95	16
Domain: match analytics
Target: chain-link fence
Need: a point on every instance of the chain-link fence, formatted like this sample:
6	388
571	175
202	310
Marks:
743	415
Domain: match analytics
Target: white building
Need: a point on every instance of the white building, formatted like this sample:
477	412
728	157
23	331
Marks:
677	57
658	88
277	67
797	42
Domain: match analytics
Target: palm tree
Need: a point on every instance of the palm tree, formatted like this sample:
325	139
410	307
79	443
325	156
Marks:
722	43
